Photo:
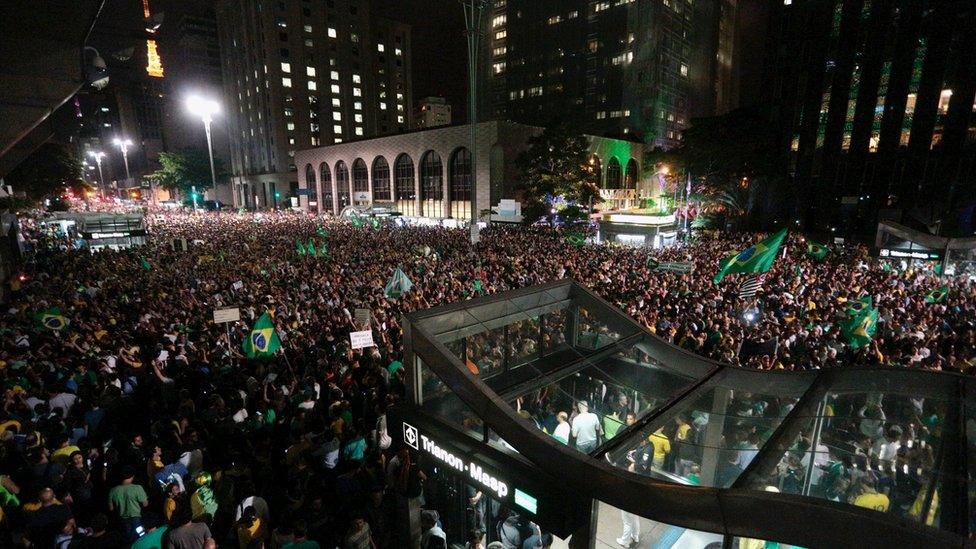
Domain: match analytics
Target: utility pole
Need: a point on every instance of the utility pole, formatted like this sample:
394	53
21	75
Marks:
474	11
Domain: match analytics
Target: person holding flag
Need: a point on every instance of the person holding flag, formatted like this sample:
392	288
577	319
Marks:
51	319
816	251
754	259
860	329
938	295
263	340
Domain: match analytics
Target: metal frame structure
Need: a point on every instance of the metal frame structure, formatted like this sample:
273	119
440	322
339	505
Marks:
740	510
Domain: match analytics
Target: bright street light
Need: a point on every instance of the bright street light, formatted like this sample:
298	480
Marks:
205	109
124	144
97	155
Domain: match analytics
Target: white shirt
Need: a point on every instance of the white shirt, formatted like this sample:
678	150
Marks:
561	432
586	426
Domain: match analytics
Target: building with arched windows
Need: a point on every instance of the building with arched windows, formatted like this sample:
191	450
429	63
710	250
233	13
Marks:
435	173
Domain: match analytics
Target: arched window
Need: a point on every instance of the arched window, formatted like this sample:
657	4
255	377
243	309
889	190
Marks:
313	195
597	168
406	193
342	184
381	180
432	184
613	174
360	179
459	173
326	175
630	180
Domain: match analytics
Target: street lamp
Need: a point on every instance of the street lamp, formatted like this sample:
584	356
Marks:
124	144
97	155
474	12
205	108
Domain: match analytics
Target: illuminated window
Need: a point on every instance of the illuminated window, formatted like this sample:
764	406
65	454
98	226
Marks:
309	42
332	33
399	97
501	34
310	71
312	86
498	68
334	75
600	6
554	19
291	126
684	70
400	106
337	129
499	51
335	88
498	21
336	102
337	116
382	106
282	24
400	119
358	105
286	67
286	82
535	91
289	112
359	131
356	79
291	140
380	48
357	92
358	118
572	15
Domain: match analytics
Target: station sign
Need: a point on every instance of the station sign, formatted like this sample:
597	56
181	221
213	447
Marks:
925	255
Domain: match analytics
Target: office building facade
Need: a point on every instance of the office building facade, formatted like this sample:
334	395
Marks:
301	74
874	103
433	112
614	67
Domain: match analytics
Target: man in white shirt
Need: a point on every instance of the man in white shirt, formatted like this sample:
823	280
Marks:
586	428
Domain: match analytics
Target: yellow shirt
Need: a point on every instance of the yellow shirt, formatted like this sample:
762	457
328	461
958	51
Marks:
662	446
682	433
65	451
169	507
878	502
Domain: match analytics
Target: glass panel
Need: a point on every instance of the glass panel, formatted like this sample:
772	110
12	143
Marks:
874	450
616	528
747	543
442	402
712	435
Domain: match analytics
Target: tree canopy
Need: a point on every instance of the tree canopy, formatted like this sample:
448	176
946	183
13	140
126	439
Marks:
184	169
556	164
47	171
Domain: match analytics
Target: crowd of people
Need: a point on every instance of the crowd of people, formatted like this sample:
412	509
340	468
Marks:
141	420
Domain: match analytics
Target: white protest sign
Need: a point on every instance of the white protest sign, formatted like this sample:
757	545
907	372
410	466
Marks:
237	285
228	314
360	340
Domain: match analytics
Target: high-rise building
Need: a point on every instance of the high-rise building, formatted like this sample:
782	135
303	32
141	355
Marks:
433	112
642	68
300	74
191	47
874	103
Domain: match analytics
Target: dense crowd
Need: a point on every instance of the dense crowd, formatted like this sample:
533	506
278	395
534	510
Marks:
143	420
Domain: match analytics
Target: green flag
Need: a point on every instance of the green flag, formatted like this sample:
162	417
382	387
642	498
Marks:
144	263
51	319
754	259
653	264
817	251
860	329
937	295
357	221
860	305
398	285
575	239
375	222
300	246
263	340
886	267
477	286
938	268
322	232
310	248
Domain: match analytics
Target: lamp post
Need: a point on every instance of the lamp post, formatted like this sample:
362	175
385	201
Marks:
205	108
97	155
474	11
124	144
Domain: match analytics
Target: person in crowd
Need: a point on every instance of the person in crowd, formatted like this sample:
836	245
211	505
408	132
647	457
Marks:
586	428
432	537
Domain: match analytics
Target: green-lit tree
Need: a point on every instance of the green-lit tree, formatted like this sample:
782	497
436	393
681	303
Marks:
733	161
555	164
48	171
184	169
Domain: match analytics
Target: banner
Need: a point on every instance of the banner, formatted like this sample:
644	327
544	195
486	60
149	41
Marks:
360	340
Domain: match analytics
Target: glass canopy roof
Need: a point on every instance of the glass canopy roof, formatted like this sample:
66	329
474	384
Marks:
574	368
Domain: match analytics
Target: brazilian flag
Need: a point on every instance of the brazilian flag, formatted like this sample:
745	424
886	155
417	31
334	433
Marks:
860	329
937	295
52	319
263	340
144	263
754	259
816	251
860	305
575	239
